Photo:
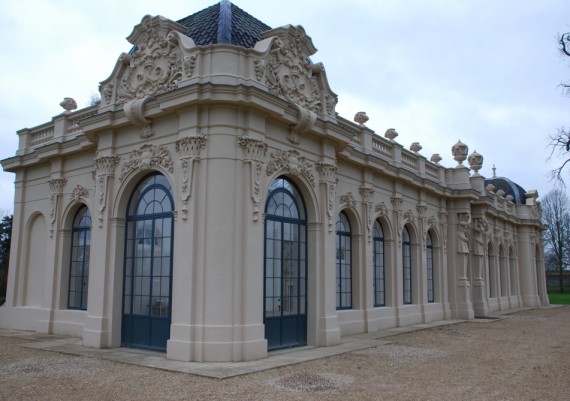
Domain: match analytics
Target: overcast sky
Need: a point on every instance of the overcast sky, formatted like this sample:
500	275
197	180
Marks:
483	71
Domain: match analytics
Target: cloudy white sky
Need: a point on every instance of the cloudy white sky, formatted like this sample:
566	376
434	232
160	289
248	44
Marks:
483	71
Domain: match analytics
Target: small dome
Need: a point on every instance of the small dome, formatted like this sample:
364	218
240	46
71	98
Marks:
510	188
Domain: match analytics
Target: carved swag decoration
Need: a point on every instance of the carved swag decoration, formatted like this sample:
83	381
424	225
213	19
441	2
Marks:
328	177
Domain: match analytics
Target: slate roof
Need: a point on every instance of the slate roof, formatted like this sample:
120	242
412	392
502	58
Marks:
510	188
224	22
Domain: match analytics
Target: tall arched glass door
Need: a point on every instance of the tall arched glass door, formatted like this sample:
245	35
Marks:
148	265
285	292
79	266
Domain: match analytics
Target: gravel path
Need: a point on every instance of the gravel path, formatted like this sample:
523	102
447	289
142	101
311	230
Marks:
525	356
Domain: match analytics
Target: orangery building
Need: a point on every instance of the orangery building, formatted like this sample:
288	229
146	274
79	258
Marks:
214	206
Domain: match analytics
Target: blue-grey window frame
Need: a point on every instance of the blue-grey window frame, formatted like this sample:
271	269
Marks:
343	236
379	266
81	230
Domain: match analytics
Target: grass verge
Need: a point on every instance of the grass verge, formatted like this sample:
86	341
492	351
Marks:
557	298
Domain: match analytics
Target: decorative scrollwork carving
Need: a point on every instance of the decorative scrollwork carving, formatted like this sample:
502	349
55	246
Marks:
145	157
79	192
56	190
290	161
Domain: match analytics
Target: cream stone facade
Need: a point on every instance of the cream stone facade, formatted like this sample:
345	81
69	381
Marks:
216	207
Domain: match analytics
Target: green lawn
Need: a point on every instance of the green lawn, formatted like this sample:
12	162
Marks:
557	298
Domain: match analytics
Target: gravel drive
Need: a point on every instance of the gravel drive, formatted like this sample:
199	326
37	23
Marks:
523	356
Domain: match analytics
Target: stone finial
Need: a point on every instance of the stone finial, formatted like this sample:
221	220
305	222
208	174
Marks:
490	188
509	198
68	104
391	134
475	161
436	158
494	171
361	118
459	152
500	193
415	147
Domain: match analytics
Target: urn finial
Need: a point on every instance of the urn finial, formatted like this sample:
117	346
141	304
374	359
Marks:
475	161
68	104
459	152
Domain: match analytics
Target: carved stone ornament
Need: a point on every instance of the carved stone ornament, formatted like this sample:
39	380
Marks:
421	208
475	161
292	162
347	199
290	75
396	201
253	149
79	192
361	118
106	164
409	217
306	121
188	149
68	104
254	154
327	172
381	209
56	190
160	60
490	188
391	134
105	168
459	152
436	158
415	147
145	157
134	111
190	146
367	194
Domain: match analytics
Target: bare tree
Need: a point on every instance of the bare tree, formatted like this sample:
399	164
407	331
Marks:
560	142
556	217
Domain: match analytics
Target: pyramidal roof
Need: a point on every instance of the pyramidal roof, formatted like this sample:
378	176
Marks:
226	23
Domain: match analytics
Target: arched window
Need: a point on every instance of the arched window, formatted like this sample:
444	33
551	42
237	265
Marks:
285	293
148	264
430	280
79	266
407	266
343	263
378	261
